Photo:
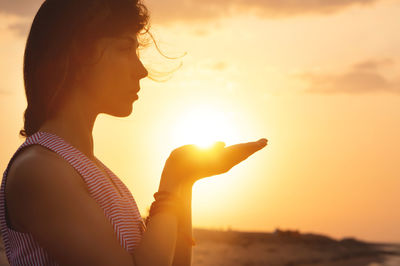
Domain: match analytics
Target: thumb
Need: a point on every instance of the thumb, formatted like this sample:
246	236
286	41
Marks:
219	144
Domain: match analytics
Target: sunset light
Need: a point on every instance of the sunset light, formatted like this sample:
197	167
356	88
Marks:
319	79
203	125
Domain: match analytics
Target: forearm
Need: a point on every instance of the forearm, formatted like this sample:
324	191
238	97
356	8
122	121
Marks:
183	248
157	246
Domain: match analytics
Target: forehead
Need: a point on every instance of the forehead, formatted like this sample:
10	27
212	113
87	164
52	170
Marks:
123	38
127	37
105	43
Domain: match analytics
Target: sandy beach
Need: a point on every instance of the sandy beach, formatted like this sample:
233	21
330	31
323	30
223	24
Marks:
282	248
390	259
288	248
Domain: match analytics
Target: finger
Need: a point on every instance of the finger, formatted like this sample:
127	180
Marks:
219	144
220	160
248	147
262	142
239	152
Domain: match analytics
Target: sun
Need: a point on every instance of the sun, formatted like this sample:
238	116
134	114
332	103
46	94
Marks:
203	125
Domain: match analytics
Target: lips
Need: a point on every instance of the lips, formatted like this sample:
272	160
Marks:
135	91
134	95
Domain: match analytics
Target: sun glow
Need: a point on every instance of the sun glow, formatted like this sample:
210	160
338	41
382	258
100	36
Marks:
203	126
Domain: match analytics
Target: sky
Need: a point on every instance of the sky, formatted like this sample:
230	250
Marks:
319	79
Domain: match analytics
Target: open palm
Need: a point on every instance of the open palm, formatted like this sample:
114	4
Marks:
190	162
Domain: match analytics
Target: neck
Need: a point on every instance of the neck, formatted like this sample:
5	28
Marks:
74	123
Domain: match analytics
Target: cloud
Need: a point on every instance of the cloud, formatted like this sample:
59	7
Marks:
192	10
21	29
220	66
23	8
4	92
374	64
364	77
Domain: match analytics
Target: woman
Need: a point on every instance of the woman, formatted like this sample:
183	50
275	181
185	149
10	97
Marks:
63	206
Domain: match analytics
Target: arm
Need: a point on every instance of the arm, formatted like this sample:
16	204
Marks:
183	250
162	228
187	164
48	198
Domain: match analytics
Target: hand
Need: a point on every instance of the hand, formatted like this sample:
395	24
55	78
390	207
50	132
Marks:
189	163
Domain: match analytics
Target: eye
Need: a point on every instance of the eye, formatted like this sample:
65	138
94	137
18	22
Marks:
126	49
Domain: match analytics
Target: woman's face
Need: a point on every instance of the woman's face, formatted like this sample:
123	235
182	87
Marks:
112	83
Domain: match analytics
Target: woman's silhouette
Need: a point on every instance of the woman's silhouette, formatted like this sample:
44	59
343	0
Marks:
61	205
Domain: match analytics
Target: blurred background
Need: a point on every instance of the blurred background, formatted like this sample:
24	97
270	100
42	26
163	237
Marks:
319	79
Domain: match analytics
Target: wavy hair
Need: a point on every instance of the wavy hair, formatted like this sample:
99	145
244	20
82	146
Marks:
60	29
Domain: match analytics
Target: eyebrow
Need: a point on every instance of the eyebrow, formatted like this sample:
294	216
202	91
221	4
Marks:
131	40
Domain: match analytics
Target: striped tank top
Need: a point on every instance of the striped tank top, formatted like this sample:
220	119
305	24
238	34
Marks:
123	213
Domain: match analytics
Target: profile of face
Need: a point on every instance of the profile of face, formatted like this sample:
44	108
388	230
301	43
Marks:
111	84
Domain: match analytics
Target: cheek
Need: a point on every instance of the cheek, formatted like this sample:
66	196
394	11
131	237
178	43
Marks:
112	76
114	72
113	82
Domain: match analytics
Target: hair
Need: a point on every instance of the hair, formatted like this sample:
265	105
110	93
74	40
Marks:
62	30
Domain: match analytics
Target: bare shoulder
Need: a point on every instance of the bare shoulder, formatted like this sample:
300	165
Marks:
37	163
33	157
49	199
38	159
37	170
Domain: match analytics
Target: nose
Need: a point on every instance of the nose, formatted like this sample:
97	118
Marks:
142	72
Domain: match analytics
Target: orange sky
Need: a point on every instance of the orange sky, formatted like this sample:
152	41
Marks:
319	81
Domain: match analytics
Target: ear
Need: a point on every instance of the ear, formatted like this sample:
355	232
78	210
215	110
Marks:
81	58
80	51
76	60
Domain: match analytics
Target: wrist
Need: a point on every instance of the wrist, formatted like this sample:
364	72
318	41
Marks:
170	187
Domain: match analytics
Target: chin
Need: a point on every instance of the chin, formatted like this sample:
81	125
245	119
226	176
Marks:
121	112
